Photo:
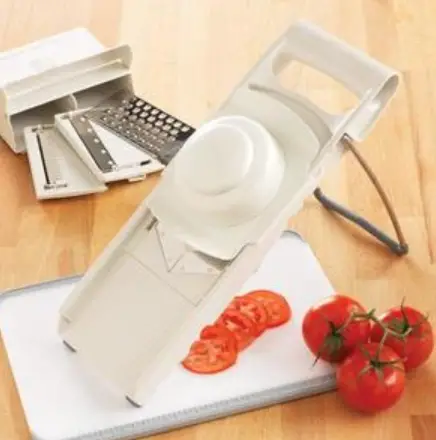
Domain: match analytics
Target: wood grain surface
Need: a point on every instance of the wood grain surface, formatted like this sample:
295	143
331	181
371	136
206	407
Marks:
188	54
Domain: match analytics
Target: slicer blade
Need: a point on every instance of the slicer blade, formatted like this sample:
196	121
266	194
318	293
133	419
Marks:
52	172
110	157
56	170
191	262
93	143
96	147
172	249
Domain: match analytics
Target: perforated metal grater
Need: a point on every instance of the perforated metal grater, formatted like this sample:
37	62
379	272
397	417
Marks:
144	125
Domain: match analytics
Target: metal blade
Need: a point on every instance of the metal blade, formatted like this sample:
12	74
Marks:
93	143
145	126
50	165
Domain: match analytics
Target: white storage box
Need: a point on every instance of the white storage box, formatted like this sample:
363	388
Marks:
74	74
26	72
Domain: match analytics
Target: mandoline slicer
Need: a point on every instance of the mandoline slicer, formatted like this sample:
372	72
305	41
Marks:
220	205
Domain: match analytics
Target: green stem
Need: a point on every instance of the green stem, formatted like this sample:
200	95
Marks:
346	323
387	331
379	348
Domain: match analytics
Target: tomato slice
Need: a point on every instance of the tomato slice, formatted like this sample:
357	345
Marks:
253	309
276	305
240	325
208	356
221	332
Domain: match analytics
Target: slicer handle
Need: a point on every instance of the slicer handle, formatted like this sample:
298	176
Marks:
358	72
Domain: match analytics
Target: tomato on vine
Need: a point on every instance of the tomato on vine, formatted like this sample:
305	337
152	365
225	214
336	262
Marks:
330	330
371	379
411	334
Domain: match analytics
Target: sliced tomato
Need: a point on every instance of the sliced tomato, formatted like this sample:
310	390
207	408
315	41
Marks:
208	356
253	309
221	332
240	325
277	307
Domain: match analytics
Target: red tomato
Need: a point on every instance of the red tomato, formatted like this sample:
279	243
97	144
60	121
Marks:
219	331
277	307
370	383
327	331
242	327
252	309
417	346
207	356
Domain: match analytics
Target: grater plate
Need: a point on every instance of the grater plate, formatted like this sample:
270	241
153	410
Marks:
144	125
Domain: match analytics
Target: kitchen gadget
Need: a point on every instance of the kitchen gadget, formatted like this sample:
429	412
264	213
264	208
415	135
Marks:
62	101
108	157
221	204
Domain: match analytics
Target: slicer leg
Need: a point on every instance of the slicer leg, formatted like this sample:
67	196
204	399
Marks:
70	347
399	248
132	402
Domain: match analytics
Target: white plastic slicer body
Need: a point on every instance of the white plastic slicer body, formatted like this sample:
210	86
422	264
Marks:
221	204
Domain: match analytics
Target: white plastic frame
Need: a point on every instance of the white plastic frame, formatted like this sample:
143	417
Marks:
124	153
27	63
109	321
78	177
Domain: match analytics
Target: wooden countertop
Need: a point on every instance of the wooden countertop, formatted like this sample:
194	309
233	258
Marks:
187	56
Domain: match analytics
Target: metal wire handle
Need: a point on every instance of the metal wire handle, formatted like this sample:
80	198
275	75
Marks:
399	248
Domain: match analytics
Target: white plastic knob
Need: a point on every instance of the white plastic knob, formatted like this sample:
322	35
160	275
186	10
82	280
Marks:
219	162
229	170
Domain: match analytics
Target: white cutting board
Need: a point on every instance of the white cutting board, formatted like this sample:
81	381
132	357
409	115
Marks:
63	401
